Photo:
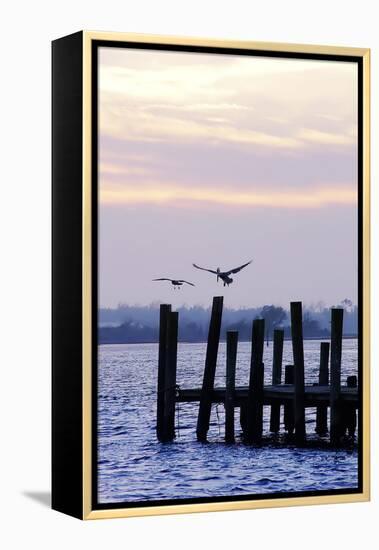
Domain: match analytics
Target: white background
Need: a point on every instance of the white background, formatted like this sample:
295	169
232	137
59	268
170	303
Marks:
26	31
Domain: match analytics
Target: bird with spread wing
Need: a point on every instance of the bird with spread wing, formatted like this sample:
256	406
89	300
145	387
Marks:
176	283
224	275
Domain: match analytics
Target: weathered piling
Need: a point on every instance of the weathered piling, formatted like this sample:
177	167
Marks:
323	380
298	358
254	413
335	375
289	420
276	378
349	412
243	419
205	406
231	357
165	310
170	378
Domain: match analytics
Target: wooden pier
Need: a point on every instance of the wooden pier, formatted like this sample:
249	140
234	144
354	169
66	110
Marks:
291	395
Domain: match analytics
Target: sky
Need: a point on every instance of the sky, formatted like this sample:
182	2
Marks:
220	159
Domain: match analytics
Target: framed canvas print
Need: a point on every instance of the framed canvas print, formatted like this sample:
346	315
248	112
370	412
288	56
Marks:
210	275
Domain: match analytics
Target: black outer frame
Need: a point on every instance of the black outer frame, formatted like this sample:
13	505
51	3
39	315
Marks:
67	415
67	161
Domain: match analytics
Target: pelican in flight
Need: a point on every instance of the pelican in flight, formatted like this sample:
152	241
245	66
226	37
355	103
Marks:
176	283
224	275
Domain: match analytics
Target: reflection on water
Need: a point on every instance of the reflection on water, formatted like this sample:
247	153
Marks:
134	466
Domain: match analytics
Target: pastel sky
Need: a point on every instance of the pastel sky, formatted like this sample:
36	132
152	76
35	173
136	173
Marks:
219	159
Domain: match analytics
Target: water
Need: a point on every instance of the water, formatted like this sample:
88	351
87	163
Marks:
134	466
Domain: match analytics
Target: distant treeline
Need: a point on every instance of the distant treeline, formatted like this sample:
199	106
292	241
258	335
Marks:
138	324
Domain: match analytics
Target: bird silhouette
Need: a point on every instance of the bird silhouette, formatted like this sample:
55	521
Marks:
224	275
177	283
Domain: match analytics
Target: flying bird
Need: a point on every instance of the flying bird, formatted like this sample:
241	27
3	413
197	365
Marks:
224	275
176	283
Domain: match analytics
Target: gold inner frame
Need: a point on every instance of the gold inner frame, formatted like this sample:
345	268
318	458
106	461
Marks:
88	513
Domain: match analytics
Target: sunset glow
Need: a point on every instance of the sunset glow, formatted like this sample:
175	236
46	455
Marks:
215	159
177	196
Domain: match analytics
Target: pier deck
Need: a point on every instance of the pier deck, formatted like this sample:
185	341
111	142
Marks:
336	403
313	395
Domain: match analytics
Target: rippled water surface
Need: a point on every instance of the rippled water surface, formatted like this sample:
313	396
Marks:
134	466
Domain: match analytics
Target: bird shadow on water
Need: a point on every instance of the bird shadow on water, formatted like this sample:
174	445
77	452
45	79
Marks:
41	497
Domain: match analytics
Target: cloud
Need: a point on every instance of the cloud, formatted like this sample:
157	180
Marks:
147	127
266	102
113	169
173	126
327	138
164	194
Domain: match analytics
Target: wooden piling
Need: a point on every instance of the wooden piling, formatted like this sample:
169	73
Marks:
276	377
349	411
209	370
323	380
170	378
165	310
243	419
298	358
254	419
352	381
335	375
231	357
289	422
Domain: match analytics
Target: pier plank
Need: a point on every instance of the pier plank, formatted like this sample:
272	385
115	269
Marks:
283	394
